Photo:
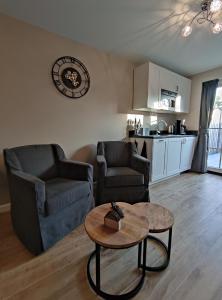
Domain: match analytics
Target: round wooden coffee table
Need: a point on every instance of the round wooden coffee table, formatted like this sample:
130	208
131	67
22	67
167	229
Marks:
160	220
134	230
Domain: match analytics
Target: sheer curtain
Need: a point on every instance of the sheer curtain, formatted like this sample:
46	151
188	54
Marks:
207	104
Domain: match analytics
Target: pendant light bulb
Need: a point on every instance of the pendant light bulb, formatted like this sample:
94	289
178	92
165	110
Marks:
215	6
217	28
186	31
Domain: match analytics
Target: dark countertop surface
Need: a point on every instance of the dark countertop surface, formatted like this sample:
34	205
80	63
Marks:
163	136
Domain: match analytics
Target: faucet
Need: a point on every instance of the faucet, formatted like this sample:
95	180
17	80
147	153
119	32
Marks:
158	125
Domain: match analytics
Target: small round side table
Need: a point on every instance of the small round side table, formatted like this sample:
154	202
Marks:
160	220
134	230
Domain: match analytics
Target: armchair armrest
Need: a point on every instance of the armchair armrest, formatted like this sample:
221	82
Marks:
142	165
102	166
28	190
76	170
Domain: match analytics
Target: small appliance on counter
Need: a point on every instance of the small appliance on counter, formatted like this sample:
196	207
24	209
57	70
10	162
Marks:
146	131
183	127
180	127
171	129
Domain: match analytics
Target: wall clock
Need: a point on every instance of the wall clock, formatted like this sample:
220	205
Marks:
70	77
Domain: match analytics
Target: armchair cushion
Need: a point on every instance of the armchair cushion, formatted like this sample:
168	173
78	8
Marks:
117	154
37	160
123	176
62	192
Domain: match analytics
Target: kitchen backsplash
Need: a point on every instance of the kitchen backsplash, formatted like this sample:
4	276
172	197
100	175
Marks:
151	120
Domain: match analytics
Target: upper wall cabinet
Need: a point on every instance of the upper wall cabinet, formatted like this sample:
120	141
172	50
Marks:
154	84
146	87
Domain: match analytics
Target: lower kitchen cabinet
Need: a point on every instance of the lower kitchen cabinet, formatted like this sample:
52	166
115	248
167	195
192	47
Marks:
158	165
187	151
173	156
168	156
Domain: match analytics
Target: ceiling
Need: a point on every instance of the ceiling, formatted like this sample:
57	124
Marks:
137	29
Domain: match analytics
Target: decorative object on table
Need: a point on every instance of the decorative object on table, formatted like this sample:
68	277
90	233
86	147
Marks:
208	13
113	218
116	208
70	77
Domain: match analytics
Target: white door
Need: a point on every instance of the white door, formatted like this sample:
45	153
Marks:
173	156
158	159
187	150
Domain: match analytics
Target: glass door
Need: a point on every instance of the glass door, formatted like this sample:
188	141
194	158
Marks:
214	162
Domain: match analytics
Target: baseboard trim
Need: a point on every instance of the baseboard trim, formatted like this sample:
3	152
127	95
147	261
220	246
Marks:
5	208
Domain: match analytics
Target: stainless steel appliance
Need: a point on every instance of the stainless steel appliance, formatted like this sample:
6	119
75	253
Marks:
167	100
171	129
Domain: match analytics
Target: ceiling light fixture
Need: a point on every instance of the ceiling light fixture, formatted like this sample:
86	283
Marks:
215	6
209	10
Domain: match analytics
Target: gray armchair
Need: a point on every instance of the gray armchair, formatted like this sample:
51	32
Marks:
50	195
123	175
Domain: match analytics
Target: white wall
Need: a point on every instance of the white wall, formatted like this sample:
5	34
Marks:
192	119
33	111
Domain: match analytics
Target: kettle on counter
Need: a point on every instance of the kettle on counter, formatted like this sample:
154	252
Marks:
171	129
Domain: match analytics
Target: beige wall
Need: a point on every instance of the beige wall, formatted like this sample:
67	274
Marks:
192	119
33	111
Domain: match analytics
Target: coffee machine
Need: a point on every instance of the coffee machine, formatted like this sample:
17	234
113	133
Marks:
180	127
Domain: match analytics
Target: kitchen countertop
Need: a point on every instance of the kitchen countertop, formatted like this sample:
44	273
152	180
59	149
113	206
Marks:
163	136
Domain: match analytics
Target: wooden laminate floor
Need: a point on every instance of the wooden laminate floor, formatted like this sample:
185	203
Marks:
195	271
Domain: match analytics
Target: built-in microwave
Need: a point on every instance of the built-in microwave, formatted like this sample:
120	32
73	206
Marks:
167	100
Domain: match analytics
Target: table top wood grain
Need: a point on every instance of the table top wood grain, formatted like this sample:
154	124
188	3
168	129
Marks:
160	218
134	227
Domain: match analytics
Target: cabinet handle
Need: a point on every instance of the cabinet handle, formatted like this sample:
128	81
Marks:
161	141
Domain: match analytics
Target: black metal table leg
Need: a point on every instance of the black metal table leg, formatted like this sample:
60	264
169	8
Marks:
144	256
139	254
166	248
97	287
97	266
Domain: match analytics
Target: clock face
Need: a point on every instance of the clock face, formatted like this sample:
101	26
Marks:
70	77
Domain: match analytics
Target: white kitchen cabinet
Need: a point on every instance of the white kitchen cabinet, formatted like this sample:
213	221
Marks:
168	156
184	91
173	156
159	159
187	151
146	87
149	79
168	80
